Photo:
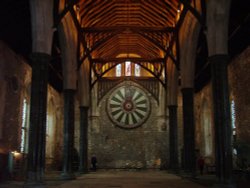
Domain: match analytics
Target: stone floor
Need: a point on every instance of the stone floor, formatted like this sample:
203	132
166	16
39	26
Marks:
124	179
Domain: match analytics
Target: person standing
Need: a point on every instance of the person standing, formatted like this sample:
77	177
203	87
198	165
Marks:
93	162
201	163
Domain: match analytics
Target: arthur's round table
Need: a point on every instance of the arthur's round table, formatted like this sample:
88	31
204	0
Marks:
128	106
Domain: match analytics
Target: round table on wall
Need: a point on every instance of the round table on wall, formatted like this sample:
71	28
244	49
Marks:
128	106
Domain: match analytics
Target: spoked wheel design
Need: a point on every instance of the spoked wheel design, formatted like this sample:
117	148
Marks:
128	106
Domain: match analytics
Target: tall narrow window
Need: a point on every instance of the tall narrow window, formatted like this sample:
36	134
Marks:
233	114
233	119
137	70
24	127
118	70
127	68
47	124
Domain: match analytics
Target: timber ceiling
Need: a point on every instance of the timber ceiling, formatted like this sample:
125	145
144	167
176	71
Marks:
145	29
142	30
115	27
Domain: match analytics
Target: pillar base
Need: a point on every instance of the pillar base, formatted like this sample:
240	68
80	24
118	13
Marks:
83	171
67	176
33	184
189	175
224	186
174	171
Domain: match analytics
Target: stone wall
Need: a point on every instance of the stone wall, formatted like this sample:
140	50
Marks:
180	126
239	79
142	147
204	126
15	83
13	76
54	136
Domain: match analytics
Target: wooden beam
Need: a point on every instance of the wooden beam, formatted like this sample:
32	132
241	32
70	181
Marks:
156	43
138	28
132	59
196	14
96	45
60	16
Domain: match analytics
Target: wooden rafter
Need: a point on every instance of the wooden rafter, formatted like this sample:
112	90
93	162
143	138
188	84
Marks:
134	60
146	28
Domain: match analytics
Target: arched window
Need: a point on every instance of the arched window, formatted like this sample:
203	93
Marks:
127	68
24	128
50	130
207	129
137	70
233	117
118	70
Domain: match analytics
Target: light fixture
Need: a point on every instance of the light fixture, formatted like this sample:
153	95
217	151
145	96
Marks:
179	8
15	153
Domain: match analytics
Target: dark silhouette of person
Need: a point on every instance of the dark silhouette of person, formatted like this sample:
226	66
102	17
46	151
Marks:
201	163
93	162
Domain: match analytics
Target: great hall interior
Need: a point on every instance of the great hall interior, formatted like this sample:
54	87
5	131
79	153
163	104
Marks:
139	84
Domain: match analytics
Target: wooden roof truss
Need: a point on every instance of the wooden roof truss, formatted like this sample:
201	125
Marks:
109	28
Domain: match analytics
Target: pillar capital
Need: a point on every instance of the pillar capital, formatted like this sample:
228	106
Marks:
218	58
69	90
172	106
40	57
187	89
83	107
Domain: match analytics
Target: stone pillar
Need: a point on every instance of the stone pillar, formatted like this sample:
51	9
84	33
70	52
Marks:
172	100
222	117
83	167
173	138
68	132
37	130
188	131
84	90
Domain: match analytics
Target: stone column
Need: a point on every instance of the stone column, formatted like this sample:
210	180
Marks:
68	41
37	130
84	90
222	117
172	100
188	38
68	132
83	168
188	131
173	138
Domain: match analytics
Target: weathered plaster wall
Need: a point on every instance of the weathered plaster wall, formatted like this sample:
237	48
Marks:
142	147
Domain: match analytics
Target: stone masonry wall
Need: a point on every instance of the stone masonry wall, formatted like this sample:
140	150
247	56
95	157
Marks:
239	79
204	126
142	147
15	82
